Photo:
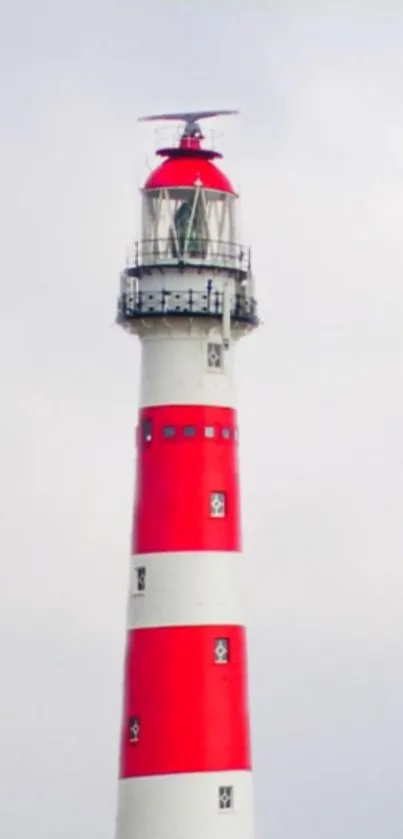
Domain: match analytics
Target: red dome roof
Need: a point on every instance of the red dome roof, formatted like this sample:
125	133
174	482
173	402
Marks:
186	171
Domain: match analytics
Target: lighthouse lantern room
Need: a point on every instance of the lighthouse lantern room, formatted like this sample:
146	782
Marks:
187	292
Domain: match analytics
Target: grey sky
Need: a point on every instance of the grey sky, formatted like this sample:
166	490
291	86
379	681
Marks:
317	153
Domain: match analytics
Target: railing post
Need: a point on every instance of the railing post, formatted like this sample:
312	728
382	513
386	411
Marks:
209	290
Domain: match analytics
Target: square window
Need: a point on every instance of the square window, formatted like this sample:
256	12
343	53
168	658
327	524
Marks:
134	729
209	431
225	798
215	356
140	579
189	431
217	505
221	650
169	431
226	433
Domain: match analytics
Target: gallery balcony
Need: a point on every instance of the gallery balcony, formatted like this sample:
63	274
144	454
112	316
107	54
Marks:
149	255
136	304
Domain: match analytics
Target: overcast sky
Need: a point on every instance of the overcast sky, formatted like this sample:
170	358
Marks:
318	155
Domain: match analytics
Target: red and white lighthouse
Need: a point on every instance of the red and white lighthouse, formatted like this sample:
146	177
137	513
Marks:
187	292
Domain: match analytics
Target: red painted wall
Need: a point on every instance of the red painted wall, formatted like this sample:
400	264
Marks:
175	477
193	712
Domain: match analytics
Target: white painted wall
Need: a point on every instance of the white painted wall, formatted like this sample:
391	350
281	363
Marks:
187	589
174	367
185	806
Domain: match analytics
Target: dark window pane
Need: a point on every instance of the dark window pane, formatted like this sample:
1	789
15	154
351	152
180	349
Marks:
225	798
141	578
147	430
134	729
189	431
169	431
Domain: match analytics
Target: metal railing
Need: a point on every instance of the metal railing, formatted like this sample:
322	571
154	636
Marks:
181	251
139	304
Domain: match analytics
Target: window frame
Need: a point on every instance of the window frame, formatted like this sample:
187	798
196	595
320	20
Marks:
226	789
214	514
134	720
219	348
139	570
226	642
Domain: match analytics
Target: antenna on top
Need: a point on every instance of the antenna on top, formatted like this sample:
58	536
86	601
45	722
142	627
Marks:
191	119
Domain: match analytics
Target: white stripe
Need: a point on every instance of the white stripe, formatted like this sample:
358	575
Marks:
185	807
174	368
186	589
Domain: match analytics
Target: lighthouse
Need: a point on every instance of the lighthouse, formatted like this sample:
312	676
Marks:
187	292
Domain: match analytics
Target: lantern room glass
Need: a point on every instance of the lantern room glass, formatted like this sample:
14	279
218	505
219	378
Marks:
188	224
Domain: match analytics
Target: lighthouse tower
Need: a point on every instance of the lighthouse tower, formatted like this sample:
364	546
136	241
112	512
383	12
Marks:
187	292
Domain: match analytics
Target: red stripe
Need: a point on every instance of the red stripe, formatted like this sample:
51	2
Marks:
175	477
193	713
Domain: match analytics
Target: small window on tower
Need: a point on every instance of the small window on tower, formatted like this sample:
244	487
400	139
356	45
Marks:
147	430
134	729
140	580
214	356
217	505
169	431
209	431
189	431
221	650
225	798
226	433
